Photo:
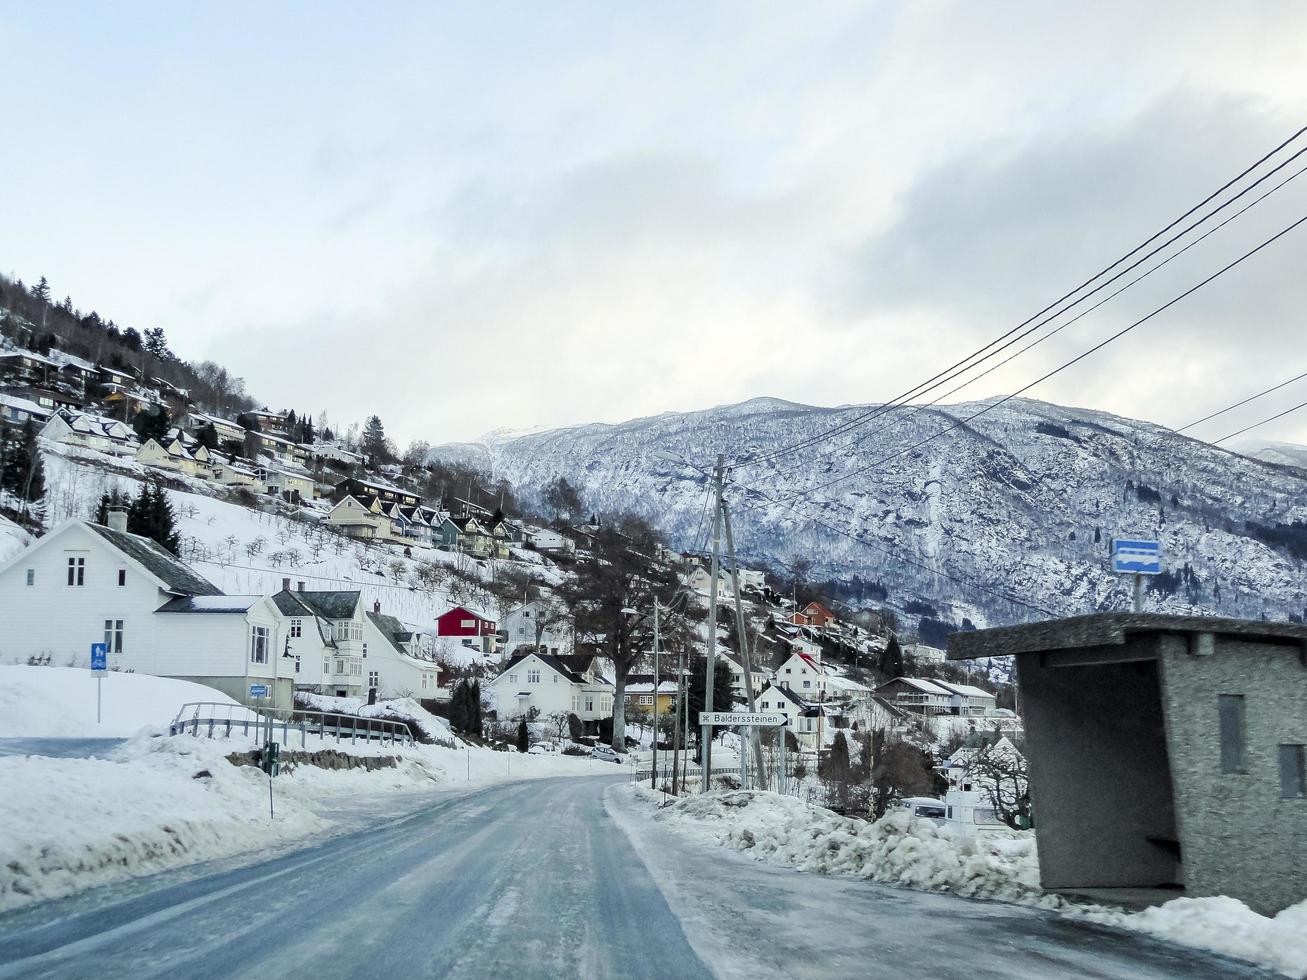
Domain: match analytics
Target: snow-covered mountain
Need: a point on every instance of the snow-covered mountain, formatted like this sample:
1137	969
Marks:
1287	453
1023	501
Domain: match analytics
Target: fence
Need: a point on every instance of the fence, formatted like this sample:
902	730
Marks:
214	720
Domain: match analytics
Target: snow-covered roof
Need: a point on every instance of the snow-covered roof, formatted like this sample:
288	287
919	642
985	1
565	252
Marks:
927	687
209	604
23	405
966	690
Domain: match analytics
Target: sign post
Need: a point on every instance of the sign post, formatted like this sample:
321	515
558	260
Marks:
99	667
1132	556
743	719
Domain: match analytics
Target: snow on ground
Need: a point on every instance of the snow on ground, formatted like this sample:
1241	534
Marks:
59	702
73	823
13	539
399	709
1223	925
900	850
895	850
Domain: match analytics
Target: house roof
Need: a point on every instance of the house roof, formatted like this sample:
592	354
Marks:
572	667
1109	629
391	628
209	604
177	576
330	605
966	690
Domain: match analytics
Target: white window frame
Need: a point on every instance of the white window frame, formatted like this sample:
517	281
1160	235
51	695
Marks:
296	628
113	635
76	571
260	642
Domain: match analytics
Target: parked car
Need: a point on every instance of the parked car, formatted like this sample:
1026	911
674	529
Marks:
543	748
605	754
924	807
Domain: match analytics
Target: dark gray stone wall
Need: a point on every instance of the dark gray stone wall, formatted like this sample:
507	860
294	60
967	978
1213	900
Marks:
1099	779
1239	838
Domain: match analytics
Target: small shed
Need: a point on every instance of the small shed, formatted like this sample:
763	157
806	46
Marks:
1165	752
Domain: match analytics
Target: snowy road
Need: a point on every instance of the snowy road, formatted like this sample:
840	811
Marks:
60	748
537	879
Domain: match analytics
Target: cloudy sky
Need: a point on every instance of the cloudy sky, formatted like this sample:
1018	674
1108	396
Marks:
472	216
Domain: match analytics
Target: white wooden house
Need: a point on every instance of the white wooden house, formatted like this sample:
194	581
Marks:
804	675
552	685
519	628
969	801
84	583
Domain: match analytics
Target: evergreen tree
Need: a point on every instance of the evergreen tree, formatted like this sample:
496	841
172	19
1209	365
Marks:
34	478
375	445
474	696
21	470
151	516
154	423
891	658
155	343
207	436
111	500
458	707
523	736
42	290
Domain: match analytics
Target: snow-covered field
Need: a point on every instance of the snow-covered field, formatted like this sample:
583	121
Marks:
899	850
59	702
159	802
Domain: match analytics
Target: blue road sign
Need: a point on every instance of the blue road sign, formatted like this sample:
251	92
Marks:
1136	557
258	690
99	656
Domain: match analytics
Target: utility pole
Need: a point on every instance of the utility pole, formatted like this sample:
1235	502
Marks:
653	768
676	720
741	629
705	731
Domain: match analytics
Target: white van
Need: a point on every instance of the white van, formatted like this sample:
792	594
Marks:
924	808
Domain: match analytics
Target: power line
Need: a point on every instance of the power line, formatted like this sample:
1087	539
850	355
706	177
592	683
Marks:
1246	428
957	424
936	379
1238	404
915	409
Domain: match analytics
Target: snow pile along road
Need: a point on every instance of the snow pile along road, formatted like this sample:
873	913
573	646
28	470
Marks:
69	824
899	850
1223	925
59	702
895	850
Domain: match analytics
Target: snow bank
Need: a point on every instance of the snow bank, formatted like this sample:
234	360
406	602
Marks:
70	824
895	850
1222	925
394	709
59	702
900	850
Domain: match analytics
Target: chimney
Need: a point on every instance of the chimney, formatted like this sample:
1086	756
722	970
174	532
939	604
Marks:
301	586
117	519
376	607
285	585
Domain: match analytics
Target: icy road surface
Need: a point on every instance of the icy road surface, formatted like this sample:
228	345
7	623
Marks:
538	879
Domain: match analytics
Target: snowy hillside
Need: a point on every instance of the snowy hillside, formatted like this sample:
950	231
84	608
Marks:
1023	500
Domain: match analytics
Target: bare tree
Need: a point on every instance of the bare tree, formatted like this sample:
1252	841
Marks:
1000	771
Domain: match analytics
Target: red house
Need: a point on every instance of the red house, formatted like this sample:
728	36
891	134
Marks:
818	615
474	629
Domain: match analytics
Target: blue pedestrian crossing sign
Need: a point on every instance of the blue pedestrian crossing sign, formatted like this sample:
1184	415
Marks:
1135	557
99	656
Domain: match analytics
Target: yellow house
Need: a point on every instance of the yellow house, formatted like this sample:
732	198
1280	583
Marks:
640	694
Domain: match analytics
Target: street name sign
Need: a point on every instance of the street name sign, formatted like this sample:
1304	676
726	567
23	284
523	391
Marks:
99	656
745	719
258	690
1134	557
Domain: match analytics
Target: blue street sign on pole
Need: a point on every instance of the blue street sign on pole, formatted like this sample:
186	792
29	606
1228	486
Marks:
99	666
258	690
1136	557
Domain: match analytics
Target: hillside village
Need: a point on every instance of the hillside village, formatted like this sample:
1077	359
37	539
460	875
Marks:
297	563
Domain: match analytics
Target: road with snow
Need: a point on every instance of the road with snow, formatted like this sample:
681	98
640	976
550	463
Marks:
539	879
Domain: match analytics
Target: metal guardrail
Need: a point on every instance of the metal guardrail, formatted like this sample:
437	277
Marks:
214	720
695	771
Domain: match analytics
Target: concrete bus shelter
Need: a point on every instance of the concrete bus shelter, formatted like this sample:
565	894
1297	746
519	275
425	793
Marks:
1165	752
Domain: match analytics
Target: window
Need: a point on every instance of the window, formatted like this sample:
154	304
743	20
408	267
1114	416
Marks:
122	577
966	787
365	649
1293	772
340	665
76	571
31	576
589	704
512	678
374	679
297	665
555	678
950	813
807	683
468	624
259	644
113	635
1231	710
296	628
356	668
646	699
533	677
